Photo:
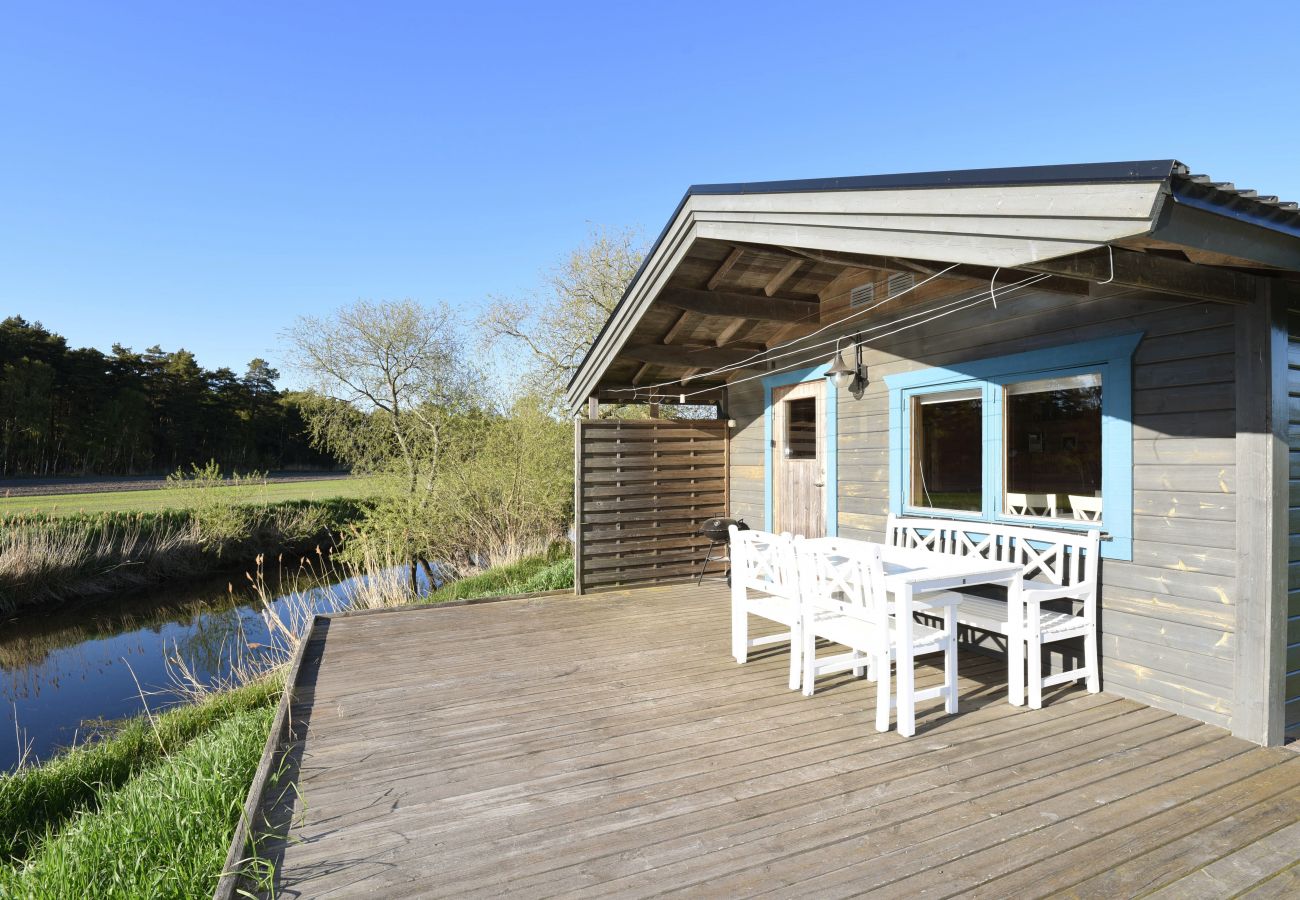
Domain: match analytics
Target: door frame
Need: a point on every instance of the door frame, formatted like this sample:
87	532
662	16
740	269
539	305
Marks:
784	379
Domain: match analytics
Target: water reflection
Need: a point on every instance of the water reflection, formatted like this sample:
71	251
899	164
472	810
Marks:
64	669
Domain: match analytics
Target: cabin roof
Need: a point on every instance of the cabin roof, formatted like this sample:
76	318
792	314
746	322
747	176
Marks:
984	219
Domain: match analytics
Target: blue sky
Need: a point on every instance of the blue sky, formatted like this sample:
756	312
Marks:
197	175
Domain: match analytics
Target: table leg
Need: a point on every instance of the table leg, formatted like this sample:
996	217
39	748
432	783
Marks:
950	659
906	665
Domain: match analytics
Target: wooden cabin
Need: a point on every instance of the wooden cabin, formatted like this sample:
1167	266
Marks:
1112	346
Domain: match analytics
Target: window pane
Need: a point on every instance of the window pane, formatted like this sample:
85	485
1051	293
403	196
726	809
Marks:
1053	447
801	428
948	451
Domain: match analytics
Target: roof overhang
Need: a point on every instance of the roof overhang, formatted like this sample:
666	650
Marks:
1007	218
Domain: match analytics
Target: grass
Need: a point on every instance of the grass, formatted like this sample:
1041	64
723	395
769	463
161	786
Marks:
548	572
161	499
164	834
37	801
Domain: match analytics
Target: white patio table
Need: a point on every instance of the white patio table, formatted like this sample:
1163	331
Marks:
911	575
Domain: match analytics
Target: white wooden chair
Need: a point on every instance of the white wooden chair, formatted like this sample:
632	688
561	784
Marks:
1086	509
764	583
845	601
1058	565
1031	504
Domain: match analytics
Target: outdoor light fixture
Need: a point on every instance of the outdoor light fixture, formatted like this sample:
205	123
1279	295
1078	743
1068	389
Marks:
852	377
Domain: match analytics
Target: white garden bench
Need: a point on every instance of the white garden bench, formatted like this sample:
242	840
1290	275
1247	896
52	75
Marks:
1058	565
764	583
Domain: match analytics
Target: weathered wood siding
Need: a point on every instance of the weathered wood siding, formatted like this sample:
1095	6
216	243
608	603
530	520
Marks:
1293	580
645	486
1168	615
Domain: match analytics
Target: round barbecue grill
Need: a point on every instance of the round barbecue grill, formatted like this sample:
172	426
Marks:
716	530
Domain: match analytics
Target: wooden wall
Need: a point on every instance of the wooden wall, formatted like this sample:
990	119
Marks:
1293	580
644	488
1168	616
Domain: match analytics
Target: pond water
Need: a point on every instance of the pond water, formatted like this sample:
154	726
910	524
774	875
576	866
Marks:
64	671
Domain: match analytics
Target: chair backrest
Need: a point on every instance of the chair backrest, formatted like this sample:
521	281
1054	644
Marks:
1031	504
1065	558
847	576
1086	509
764	561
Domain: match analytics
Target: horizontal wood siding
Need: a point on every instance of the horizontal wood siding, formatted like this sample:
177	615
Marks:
1293	557
1168	616
745	407
645	486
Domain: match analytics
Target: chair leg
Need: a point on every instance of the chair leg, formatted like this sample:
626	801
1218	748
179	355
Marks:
739	629
858	671
809	661
1091	662
881	667
1035	646
796	656
950	660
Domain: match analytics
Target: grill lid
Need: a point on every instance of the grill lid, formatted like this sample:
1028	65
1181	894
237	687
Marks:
716	529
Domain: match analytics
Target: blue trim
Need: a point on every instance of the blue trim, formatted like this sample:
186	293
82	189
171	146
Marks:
832	442
1112	358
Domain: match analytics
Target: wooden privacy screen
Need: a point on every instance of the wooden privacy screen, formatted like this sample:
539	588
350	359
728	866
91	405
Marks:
644	487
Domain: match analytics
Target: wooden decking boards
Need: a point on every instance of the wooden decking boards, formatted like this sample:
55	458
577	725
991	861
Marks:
609	745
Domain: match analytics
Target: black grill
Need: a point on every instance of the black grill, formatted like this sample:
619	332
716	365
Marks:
716	530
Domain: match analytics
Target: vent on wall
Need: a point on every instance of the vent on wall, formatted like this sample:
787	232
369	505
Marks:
899	283
862	295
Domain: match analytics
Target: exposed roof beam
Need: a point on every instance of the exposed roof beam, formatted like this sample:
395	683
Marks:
723	269
780	278
677	327
689	374
1155	273
729	331
641	373
687	357
866	261
746	306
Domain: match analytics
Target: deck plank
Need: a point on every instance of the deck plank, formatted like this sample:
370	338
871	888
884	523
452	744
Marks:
608	745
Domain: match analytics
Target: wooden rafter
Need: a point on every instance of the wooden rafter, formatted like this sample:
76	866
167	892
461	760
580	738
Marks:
641	373
729	331
726	267
775	283
682	321
686	357
745	306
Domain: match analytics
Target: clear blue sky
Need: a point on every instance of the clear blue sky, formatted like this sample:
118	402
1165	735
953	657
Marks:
197	175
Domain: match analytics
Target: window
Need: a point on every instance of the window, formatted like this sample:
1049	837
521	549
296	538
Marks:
1052	448
947	450
801	428
1042	437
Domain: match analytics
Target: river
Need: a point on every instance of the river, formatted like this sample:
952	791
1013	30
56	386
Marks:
64	671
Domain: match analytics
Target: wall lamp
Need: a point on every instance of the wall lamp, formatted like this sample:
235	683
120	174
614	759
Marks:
852	377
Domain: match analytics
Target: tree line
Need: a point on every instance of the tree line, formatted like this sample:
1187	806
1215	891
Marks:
66	411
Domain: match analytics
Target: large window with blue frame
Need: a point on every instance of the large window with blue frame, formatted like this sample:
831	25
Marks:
1040	438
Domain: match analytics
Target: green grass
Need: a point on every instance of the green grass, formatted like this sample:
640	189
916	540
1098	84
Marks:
161	499
164	834
534	573
38	800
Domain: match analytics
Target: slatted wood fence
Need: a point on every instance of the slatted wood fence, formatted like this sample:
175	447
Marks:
643	487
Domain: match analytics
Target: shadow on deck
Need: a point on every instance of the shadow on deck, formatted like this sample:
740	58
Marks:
609	745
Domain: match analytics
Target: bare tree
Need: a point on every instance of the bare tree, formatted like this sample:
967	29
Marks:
558	325
389	379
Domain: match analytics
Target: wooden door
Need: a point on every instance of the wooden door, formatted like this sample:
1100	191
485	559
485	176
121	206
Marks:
799	458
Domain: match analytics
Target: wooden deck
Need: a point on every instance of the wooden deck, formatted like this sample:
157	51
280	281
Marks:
609	745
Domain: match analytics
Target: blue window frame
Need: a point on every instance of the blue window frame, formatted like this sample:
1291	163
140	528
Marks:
832	441
1111	358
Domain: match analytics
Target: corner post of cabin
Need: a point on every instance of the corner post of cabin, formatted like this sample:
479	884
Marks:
593	412
1258	712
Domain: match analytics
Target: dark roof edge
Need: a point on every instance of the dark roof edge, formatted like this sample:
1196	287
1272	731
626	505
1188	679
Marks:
1075	173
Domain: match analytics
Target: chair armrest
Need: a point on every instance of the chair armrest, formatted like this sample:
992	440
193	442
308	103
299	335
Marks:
1042	593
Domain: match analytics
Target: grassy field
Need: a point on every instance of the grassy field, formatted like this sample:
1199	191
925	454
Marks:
169	498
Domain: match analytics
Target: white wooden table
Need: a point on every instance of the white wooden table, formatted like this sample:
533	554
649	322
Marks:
911	575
